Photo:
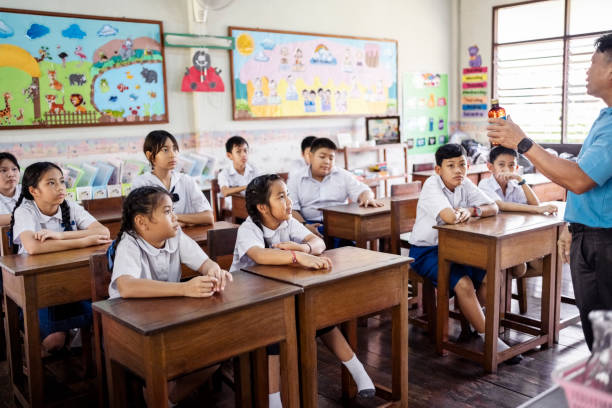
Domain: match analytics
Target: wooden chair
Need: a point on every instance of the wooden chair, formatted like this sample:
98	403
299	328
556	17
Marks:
102	204
5	250
221	243
423	167
405	189
218	202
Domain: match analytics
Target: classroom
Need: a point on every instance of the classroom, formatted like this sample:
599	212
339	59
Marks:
215	203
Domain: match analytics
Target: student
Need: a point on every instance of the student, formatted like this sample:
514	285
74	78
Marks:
161	150
449	197
511	193
271	236
43	221
235	177
306	143
322	184
9	187
146	261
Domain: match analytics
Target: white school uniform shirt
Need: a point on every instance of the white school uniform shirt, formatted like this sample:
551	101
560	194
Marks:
8	203
29	218
514	192
309	194
250	235
435	197
229	177
137	258
191	199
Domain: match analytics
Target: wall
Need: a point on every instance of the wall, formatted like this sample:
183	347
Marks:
423	29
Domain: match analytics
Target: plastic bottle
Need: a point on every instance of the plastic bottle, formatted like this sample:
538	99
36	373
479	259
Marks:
496	111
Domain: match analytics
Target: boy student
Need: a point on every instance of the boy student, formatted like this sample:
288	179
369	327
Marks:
449	197
322	184
235	177
306	143
511	192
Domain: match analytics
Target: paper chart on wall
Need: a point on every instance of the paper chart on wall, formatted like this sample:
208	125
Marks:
283	74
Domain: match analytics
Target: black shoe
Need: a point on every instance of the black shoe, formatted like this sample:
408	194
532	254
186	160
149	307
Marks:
367	393
514	360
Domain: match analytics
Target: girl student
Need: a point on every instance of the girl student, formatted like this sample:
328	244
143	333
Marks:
9	186
146	261
43	221
271	236
161	150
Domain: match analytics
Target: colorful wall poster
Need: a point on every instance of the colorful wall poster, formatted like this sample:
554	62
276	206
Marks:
60	70
474	87
425	111
280	74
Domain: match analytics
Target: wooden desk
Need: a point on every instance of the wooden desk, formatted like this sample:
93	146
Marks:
493	244
239	211
32	283
475	173
361	282
545	189
359	224
162	339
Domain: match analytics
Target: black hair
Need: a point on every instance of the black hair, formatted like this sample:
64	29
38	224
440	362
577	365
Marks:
258	192
322	142
31	177
155	141
141	200
8	156
307	142
235	141
604	44
499	150
449	151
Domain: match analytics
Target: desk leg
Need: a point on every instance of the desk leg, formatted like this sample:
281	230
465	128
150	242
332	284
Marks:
155	373
11	327
442	314
242	380
558	281
116	379
349	388
399	345
308	353
32	344
290	390
548	298
492	312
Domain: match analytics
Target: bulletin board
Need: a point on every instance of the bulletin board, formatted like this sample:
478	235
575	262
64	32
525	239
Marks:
65	70
425	111
284	74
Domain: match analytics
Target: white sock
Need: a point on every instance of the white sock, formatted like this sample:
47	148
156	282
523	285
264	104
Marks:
362	379
274	400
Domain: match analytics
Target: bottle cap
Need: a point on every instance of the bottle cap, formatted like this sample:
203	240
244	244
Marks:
494	101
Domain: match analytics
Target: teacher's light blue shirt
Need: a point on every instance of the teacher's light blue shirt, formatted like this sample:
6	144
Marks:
594	208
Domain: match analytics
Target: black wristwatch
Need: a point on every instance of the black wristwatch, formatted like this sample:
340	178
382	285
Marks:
524	145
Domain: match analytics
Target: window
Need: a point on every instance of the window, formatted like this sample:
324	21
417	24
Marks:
541	52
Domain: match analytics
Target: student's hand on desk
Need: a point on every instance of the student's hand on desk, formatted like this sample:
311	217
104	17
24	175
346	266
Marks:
45	234
370	202
462	215
200	286
221	275
96	239
292	246
549	209
564	243
314	262
314	229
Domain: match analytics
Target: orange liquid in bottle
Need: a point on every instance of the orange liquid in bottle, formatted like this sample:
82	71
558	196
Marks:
496	111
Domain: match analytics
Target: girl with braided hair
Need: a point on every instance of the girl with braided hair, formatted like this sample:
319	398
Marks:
10	190
146	261
43	221
271	236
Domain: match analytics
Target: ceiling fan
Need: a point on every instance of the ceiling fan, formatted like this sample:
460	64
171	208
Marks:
201	7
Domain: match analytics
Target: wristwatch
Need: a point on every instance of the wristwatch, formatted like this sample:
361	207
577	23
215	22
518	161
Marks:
476	211
523	181
524	145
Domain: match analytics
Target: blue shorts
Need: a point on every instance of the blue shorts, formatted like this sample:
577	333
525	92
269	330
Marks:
337	242
426	264
64	317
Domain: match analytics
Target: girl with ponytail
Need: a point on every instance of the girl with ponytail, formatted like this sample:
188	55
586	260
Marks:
271	236
43	221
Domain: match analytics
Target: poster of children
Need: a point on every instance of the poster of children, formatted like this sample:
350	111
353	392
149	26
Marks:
425	111
279	74
64	70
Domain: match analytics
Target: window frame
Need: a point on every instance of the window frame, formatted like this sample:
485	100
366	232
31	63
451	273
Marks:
566	38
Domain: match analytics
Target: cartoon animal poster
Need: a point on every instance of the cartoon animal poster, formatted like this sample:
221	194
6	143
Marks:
279	74
60	70
425	111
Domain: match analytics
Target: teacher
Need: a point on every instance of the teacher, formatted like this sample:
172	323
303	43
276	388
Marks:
587	243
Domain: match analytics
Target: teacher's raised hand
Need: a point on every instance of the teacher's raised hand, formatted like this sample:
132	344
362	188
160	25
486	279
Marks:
504	132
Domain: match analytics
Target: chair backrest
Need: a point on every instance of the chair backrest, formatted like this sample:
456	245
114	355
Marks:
221	243
413	187
422	167
100	276
217	202
5	249
102	204
403	215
